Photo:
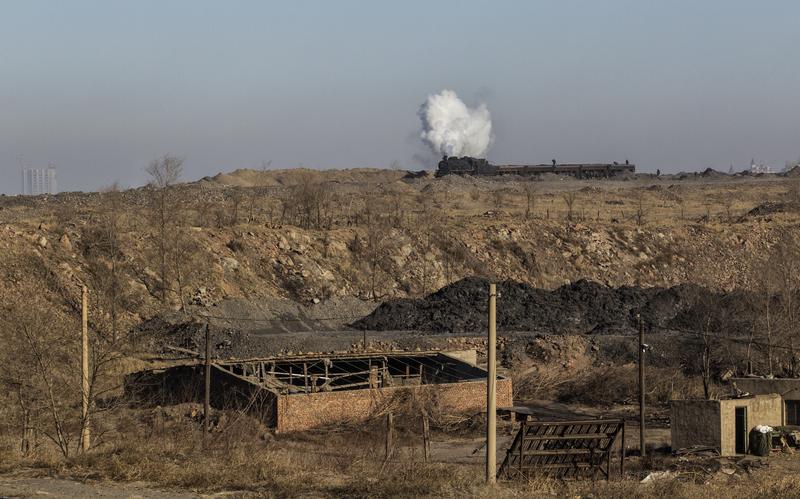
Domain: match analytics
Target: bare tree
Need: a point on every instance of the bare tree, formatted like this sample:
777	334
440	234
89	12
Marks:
530	199
375	244
165	171
498	196
727	203
706	360
569	199
102	243
39	364
236	198
707	204
767	282
205	208
641	210
184	259
164	174
785	260
308	202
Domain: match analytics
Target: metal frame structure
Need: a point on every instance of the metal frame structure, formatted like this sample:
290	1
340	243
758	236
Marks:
564	449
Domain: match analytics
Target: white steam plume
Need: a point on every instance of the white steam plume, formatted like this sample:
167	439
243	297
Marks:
451	128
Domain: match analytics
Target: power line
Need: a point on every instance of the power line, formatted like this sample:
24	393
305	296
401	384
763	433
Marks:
724	338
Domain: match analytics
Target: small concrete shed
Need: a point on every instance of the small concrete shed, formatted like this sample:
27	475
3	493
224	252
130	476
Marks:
723	424
787	388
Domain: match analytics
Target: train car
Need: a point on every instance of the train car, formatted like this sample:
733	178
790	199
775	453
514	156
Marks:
481	167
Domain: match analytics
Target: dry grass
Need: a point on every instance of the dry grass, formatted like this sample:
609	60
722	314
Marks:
336	464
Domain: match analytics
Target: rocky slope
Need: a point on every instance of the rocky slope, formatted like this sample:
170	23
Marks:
436	239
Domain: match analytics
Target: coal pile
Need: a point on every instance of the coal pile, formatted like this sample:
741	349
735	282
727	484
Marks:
165	336
581	307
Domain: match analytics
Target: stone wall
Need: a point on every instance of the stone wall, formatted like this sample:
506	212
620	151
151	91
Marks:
694	422
304	411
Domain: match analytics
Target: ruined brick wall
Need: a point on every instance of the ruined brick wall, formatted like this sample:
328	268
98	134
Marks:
304	411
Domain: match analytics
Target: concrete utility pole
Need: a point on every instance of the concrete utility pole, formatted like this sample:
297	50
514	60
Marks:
207	398
85	368
491	384
641	387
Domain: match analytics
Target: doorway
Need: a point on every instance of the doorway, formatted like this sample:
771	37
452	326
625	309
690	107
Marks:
793	412
741	430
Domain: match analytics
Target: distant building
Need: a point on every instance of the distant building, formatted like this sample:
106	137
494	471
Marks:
759	167
36	181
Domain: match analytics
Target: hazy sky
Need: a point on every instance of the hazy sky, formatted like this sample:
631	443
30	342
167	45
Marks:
99	88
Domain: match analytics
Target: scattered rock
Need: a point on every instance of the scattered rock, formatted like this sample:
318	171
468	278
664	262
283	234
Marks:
230	263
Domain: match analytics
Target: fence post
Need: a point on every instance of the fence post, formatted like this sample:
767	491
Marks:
521	447
426	437
622	452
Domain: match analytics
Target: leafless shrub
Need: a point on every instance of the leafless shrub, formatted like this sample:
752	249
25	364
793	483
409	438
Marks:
530	198
308	203
498	197
235	197
641	209
569	200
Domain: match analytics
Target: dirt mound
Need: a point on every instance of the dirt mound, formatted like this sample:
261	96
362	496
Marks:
710	172
272	178
583	307
767	208
793	172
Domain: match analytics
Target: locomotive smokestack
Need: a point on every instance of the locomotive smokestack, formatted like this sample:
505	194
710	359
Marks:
451	128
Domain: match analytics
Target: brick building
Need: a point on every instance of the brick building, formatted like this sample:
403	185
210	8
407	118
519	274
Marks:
304	392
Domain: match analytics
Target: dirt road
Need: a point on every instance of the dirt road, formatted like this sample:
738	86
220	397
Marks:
20	486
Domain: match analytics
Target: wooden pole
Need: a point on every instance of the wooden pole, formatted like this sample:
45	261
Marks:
207	398
491	400
85	433
642	449
622	452
389	435
426	437
522	431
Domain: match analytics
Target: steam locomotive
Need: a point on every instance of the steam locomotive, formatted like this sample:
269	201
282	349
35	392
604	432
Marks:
452	165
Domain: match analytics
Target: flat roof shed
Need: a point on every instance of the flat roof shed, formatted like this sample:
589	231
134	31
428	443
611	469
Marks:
722	424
